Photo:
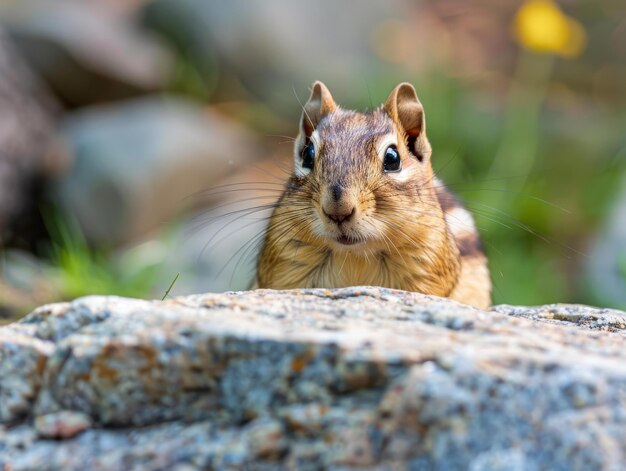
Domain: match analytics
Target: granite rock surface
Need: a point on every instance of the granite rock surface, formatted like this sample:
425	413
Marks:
356	378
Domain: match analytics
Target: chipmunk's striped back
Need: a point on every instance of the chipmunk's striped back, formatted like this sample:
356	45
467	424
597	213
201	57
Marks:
474	283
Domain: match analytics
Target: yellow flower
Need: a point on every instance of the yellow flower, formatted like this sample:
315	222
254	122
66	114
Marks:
541	26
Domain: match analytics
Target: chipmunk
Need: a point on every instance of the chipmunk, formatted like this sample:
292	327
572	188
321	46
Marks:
364	207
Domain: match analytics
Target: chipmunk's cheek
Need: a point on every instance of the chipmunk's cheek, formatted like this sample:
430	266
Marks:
317	225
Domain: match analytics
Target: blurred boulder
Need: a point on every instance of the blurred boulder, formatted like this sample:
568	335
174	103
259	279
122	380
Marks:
606	267
141	163
30	151
216	248
87	52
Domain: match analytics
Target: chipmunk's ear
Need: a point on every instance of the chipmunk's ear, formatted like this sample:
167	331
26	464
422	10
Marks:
405	109
320	103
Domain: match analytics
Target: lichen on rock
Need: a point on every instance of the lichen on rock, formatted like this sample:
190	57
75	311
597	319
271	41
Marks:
366	378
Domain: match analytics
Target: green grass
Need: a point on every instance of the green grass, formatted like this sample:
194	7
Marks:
81	270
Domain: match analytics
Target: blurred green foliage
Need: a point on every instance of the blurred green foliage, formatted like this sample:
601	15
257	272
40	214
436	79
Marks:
80	270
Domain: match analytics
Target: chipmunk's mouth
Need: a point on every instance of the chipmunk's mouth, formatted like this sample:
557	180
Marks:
346	240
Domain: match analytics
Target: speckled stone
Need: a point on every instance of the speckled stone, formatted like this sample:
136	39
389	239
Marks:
23	360
62	424
355	378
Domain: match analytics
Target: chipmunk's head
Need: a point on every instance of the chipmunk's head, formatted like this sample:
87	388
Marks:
364	174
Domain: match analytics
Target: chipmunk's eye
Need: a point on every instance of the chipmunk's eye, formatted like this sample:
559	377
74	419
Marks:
308	156
391	161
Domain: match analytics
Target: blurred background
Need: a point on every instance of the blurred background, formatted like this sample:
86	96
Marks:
143	142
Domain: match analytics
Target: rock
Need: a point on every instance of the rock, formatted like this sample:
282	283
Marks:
605	277
217	248
305	418
266	438
30	152
62	424
22	362
88	52
276	63
359	378
142	163
582	316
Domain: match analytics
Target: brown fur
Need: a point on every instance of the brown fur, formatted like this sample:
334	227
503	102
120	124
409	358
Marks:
405	221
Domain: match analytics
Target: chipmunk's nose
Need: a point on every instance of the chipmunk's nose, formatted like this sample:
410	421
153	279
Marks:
338	203
340	217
